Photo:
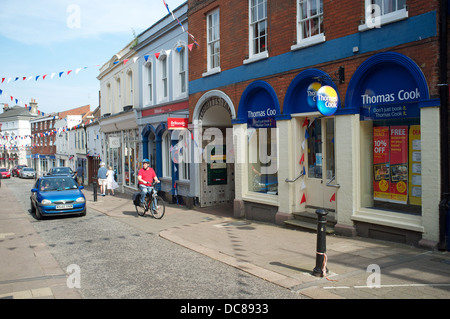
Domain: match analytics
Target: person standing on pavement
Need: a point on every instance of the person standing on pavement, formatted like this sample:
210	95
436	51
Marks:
146	176
111	184
80	174
101	175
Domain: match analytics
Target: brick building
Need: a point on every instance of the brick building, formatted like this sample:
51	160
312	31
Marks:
327	104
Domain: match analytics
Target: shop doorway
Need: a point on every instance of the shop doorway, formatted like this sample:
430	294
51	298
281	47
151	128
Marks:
320	172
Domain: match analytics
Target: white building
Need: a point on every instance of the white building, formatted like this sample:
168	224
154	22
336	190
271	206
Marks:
15	139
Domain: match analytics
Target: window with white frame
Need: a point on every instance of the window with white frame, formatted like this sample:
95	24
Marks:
149	89
166	158
130	87
182	69
213	41
164	89
258	28
309	23
119	93
380	12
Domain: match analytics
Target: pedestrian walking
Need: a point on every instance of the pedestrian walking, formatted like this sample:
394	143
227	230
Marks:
101	175
111	184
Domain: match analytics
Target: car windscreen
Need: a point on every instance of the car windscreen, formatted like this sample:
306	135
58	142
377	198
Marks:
26	169
3	170
63	170
57	184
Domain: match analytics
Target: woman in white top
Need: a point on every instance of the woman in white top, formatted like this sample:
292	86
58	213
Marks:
110	182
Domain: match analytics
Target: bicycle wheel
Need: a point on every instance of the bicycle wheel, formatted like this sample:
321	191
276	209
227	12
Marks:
142	210
158	208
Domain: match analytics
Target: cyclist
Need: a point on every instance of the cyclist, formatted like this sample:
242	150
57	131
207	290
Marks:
146	176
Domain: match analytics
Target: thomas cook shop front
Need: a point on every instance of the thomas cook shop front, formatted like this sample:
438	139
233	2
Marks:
373	163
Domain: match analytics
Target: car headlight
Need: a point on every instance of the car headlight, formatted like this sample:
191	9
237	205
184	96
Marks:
80	200
46	202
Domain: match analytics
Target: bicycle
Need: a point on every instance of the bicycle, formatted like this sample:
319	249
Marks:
152	203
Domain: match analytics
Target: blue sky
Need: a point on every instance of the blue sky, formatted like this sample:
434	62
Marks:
52	36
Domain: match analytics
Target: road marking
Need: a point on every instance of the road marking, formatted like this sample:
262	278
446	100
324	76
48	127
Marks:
389	286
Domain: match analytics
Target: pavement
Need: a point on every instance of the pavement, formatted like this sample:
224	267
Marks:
358	268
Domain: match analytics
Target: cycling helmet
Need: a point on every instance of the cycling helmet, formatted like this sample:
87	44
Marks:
145	161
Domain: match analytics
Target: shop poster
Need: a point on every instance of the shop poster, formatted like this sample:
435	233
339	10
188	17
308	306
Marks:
415	169
381	163
399	164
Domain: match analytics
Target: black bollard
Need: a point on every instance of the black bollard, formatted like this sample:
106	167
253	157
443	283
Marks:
94	184
321	242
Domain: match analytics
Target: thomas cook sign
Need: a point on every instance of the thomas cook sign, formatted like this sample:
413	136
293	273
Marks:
327	100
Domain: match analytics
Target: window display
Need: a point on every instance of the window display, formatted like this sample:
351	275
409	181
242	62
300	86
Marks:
397	165
262	160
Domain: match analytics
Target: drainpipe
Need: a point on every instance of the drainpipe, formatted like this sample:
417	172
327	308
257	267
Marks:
443	93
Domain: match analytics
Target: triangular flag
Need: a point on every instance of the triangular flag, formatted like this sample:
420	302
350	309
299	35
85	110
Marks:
135	59
333	198
306	134
157	55
303	186
179	49
146	57
302	160
37	77
16	79
53	74
77	70
24	78
60	73
125	61
304	171
303	199
305	122
44	76
68	72
190	46
3	80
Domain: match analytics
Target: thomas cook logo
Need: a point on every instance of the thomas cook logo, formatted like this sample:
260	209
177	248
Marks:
327	100
312	94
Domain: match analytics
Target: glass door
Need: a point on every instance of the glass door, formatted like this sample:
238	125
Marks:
320	172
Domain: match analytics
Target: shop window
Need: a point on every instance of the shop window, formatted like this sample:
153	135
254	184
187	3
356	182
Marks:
262	160
395	183
167	162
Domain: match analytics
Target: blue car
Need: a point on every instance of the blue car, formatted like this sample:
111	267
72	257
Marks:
57	195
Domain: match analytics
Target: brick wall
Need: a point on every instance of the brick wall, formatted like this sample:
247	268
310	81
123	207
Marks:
341	18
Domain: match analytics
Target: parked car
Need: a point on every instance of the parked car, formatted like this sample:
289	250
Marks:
5	172
57	195
16	170
27	172
61	171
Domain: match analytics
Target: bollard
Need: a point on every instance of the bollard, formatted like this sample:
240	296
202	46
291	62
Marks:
321	243
95	191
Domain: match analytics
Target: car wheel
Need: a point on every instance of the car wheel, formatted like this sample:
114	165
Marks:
38	214
33	209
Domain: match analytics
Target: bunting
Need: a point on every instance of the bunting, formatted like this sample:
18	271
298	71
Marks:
5	80
184	30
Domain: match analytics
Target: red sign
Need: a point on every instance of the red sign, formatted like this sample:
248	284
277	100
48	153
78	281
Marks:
177	123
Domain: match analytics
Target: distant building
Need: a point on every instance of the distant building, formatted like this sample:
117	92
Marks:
15	135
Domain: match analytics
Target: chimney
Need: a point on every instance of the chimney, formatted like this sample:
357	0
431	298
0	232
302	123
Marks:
34	106
5	107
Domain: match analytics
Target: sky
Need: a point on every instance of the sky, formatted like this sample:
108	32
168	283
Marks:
43	37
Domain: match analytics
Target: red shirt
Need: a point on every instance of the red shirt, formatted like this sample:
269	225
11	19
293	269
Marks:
147	175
